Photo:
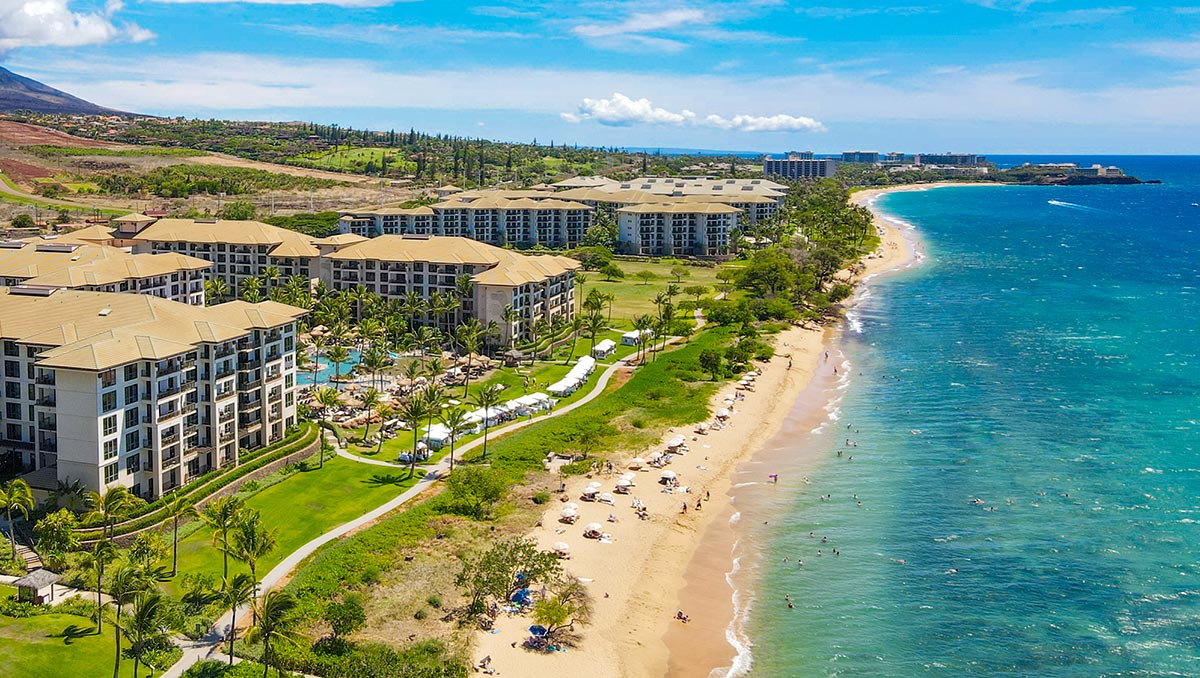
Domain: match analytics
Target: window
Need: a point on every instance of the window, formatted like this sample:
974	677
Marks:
110	473
111	447
288	380
133	440
110	425
12	389
131	464
108	378
13	432
12	411
10	348
12	369
131	417
131	372
108	401
131	393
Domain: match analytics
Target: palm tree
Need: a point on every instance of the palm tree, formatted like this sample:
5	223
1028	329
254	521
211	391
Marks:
125	583
580	279
318	344
385	412
252	541
414	411
102	554
470	338
576	328
223	514
486	399
215	290
594	324
510	316
327	398
337	355
642	323
270	275
147	622
433	394
71	495
15	495
455	421
370	400
276	623
414	305
252	290
178	506
110	506
427	337
236	592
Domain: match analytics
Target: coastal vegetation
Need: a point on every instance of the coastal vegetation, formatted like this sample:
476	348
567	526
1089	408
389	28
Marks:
181	181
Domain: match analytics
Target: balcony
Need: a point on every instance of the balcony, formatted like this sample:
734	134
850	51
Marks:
169	391
224	372
224	416
173	412
244	384
46	379
170	462
189	431
47	424
47	446
147	466
47	400
225	351
170	439
250	419
187	364
189	406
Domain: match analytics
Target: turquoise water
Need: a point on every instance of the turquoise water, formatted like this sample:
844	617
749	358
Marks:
1045	361
304	377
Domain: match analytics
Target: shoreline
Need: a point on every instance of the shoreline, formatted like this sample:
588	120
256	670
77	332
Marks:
678	560
720	646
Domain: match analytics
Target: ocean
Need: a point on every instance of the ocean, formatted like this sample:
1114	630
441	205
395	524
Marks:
1018	418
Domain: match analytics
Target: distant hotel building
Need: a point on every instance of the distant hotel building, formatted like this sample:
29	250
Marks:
870	157
951	159
677	228
135	390
800	166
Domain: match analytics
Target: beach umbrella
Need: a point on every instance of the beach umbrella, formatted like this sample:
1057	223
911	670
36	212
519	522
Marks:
592	529
569	513
655	456
561	547
606	498
675	442
752	373
624	482
572	505
637	462
723	413
537	631
592	484
590	491
667	475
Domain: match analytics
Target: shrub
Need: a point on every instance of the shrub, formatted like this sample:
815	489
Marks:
435	601
541	498
420	614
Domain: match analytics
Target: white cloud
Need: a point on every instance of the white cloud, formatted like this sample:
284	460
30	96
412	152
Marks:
622	111
52	23
1078	17
644	22
769	123
389	34
1179	50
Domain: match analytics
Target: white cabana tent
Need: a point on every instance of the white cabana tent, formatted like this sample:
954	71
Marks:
530	403
604	349
631	338
437	435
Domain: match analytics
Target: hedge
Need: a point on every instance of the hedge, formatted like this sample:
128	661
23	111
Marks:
297	439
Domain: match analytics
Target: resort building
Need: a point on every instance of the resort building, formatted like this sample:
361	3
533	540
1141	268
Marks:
526	219
800	167
135	390
660	229
237	249
869	157
951	159
66	264
392	266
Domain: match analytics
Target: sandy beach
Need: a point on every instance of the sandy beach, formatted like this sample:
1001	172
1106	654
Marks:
675	560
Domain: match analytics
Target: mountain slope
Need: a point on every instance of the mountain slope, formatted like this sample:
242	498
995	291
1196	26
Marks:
18	93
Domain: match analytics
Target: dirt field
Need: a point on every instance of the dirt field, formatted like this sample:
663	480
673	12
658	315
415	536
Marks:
20	134
23	172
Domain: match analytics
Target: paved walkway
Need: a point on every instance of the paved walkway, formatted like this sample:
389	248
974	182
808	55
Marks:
208	646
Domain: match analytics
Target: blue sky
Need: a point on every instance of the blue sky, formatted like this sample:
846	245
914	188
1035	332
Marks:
967	75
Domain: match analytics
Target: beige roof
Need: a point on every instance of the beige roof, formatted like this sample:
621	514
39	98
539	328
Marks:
586	182
449	187
340	239
505	267
680	208
94	234
26	260
99	330
134	218
283	243
116	269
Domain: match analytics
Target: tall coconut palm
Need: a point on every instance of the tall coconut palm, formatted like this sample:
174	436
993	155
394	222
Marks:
455	421
110	506
486	399
375	360
385	412
102	554
433	394
147	623
252	290
427	338
642	323
18	496
276	624
252	541
327	398
580	279
414	411
236	592
70	494
318	346
337	355
222	515
510	316
370	400
178	506
594	324
470	337
576	328
270	277
414	306
125	583
215	290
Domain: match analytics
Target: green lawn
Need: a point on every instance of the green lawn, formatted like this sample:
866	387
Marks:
7	591
57	645
634	297
301	507
354	159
